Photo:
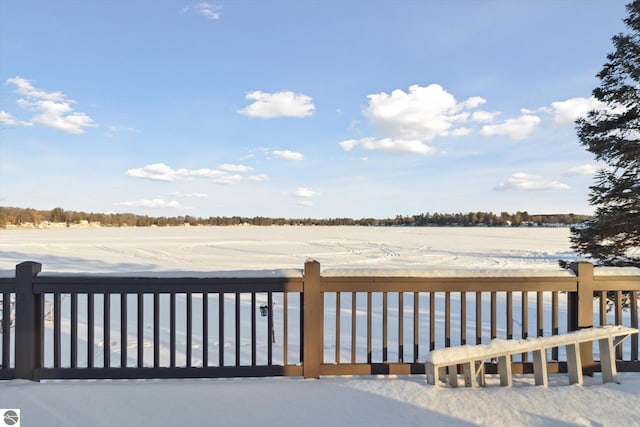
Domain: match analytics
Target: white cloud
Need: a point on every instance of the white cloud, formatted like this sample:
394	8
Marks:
228	179
52	109
517	129
59	115
474	102
258	178
189	195
406	122
155	172
304	193
202	173
484	116
163	172
304	196
288	155
388	144
8	119
527	182
279	104
461	131
234	168
586	169
209	11
155	203
421	114
354	126
25	88
350	144
570	110
158	172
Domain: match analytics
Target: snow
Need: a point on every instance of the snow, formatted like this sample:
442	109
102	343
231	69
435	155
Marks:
616	271
244	250
365	401
354	401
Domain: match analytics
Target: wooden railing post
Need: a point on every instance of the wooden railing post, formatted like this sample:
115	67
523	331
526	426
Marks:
584	309
28	328
313	320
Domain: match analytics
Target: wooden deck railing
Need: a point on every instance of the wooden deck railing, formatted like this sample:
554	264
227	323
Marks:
331	323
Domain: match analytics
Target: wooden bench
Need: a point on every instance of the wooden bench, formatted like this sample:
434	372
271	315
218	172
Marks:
442	364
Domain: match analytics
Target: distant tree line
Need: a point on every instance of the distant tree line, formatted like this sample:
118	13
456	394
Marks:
22	217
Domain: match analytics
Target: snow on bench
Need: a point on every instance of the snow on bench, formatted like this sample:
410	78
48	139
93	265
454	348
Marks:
472	357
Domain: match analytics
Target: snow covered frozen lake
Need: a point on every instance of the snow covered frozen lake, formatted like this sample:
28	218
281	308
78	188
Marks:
353	401
205	250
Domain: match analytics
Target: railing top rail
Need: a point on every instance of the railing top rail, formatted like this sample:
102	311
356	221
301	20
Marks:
7	284
616	278
617	284
450	273
447	284
104	284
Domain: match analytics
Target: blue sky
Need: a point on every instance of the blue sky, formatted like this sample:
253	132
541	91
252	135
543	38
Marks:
299	108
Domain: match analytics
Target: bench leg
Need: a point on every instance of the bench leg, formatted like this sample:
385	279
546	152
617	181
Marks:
453	376
470	374
540	367
436	375
430	370
442	375
574	364
504	369
607	360
480	374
